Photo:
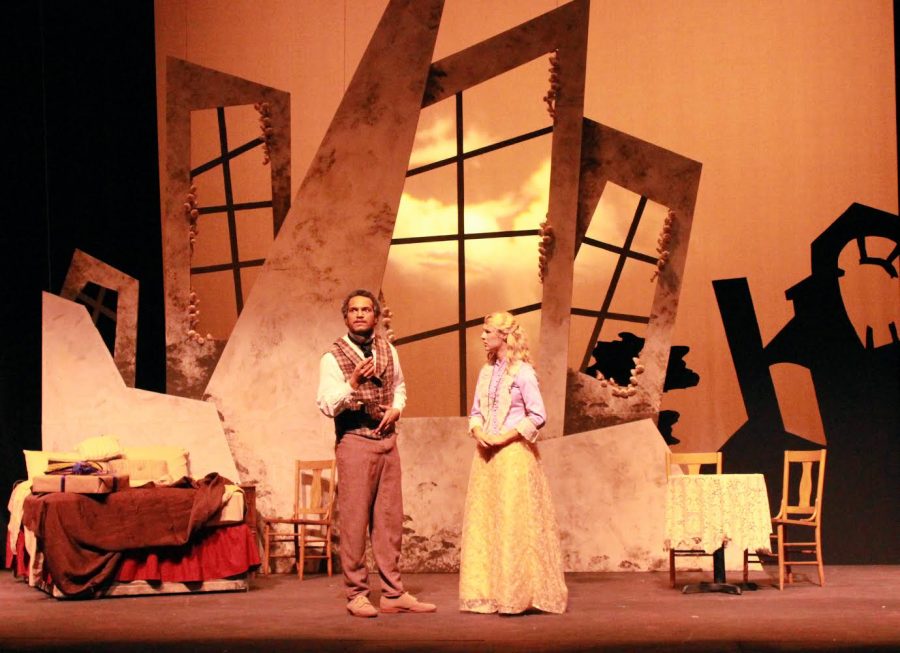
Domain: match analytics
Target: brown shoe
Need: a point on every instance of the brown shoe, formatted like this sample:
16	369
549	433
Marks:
406	602
360	606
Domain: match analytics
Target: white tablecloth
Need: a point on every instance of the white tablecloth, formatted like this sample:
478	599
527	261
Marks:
705	511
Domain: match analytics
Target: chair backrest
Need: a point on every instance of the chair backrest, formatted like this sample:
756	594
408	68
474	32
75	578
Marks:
803	496
693	461
315	482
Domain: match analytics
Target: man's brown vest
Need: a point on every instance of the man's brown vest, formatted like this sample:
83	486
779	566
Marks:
372	393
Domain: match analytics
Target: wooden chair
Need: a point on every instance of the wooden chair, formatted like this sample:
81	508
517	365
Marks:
805	512
315	482
694	463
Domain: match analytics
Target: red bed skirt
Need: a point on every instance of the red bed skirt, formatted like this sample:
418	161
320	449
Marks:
214	553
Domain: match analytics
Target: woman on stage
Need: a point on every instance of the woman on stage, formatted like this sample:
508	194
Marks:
510	558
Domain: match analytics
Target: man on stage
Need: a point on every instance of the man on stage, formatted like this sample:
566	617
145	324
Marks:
361	386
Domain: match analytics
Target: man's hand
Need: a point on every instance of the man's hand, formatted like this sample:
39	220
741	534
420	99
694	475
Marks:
364	369
391	415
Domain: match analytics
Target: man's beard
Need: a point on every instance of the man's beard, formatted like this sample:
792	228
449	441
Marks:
362	337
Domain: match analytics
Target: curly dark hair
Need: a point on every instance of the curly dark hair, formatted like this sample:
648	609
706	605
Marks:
360	292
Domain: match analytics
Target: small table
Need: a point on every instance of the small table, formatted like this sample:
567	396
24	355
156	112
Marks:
710	511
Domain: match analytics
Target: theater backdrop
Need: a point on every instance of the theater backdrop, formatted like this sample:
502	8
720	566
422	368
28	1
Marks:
692	207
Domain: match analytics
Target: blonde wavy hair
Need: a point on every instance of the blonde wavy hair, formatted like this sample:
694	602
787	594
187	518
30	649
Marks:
517	350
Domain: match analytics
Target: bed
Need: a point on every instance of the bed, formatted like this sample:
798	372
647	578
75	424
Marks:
149	537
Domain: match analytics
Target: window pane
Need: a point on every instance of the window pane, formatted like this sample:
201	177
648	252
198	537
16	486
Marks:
432	390
212	245
254	230
649	228
218	310
101	303
634	292
204	137
428	204
420	286
593	271
243	125
436	134
508	188
251	181
613	216
210	187
501	273
594	267
487	120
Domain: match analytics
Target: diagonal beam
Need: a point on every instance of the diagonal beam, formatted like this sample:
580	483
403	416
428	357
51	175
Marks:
505	51
334	239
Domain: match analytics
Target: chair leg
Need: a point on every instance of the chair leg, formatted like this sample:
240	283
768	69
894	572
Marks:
672	567
328	548
819	556
780	556
266	536
301	564
746	566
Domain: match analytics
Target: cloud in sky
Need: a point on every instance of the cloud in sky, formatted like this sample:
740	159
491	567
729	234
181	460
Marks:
500	273
437	141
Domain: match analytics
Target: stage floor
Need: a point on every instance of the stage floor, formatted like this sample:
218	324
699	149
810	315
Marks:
858	610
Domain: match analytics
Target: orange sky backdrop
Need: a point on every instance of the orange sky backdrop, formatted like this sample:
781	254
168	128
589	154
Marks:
789	106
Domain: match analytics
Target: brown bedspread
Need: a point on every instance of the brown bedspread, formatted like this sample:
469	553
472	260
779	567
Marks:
83	536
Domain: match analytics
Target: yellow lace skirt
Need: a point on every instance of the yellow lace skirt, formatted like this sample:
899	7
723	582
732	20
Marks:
510	559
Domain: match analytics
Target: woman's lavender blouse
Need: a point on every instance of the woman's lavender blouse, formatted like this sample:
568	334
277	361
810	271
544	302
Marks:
526	402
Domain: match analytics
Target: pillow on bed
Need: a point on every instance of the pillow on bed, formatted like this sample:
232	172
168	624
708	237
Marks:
177	459
36	461
101	447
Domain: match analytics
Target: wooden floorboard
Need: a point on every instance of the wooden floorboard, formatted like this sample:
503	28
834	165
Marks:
857	610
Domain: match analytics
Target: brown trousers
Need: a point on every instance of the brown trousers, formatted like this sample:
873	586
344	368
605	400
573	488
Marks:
369	499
